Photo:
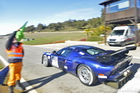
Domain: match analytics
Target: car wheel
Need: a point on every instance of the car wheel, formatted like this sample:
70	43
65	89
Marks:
45	61
86	75
123	44
109	44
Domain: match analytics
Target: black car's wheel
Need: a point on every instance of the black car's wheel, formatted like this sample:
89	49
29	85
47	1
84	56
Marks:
86	75
45	61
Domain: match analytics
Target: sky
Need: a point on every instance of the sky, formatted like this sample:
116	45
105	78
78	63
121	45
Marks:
14	13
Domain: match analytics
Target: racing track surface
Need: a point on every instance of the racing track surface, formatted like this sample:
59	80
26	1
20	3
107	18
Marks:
53	80
50	79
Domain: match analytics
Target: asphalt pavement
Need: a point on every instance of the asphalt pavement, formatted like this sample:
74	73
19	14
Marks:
132	86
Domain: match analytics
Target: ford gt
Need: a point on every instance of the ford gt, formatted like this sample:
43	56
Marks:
91	64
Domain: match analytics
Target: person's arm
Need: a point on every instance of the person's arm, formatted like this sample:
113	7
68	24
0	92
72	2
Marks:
23	52
10	40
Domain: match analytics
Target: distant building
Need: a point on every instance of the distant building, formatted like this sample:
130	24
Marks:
122	11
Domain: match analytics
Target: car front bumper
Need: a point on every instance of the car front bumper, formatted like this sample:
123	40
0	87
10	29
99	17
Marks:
115	43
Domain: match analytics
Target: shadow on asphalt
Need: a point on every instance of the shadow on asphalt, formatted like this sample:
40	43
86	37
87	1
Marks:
43	80
135	69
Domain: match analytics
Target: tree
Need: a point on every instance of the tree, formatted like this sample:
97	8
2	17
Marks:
40	27
30	28
87	31
94	22
80	24
100	30
103	16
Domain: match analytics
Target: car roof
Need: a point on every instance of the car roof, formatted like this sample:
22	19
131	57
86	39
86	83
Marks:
80	47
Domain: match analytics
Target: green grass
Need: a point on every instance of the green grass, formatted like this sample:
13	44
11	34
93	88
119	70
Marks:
1	65
53	37
95	38
57	37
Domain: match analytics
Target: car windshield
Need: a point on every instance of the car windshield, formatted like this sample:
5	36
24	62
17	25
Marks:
117	32
93	51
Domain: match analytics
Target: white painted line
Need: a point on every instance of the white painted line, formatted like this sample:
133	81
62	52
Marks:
29	87
136	57
22	79
4	61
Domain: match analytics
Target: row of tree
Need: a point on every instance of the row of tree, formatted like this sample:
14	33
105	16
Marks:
94	26
69	25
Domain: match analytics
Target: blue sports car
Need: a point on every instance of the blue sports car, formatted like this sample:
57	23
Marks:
91	64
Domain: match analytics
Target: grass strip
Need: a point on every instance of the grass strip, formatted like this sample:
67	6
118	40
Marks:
53	37
1	65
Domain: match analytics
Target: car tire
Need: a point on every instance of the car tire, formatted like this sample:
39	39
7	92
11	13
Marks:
123	44
86	75
109	44
45	61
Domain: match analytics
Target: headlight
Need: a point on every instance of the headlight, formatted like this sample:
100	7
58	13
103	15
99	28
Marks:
125	74
128	71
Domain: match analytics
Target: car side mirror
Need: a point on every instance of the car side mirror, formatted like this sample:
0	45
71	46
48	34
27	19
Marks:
54	52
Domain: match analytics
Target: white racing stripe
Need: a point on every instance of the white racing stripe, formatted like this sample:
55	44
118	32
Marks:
22	79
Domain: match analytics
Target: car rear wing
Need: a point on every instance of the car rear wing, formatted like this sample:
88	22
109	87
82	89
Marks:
108	57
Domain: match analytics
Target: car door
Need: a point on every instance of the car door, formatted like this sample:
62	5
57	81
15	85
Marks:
129	37
59	59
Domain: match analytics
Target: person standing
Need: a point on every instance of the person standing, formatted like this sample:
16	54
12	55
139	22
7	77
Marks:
15	54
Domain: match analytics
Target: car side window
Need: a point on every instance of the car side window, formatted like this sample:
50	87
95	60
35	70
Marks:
93	51
126	33
64	52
